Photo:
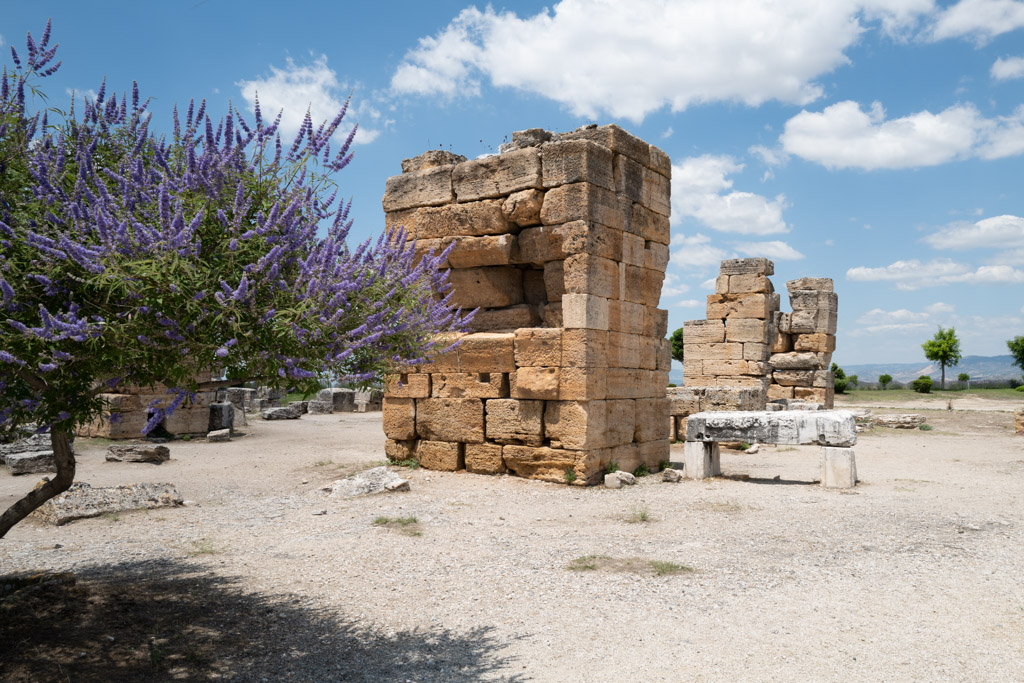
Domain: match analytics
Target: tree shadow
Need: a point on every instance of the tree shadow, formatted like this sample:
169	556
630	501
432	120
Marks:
174	620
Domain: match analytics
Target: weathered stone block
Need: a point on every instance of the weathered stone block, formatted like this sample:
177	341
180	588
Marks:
30	462
516	421
584	311
470	385
431	159
838	468
534	288
473	219
484	458
756	352
651	419
719	351
398	451
629	383
796	361
748	283
629	178
811	299
554	280
781	342
634	249
747	330
701	460
450	419
656	193
627	316
222	416
490	250
138	452
487	352
777	391
523	207
536	383
818	343
738	306
504	319
443	456
826	428
747	266
656	256
624	350
594	275
576	424
429	187
319	407
343	400
584	348
577	161
497	176
279	413
399	417
655	322
490	287
408	385
582	202
82	501
546	464
649	224
581	384
538	347
794	378
822	284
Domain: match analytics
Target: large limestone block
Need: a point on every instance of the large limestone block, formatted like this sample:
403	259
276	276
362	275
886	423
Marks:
546	464
222	416
584	348
444	456
823	427
490	250
815	343
408	385
683	400
138	452
657	192
577	161
444	355
624	350
660	162
473	219
470	385
582	202
192	420
663	349
649	224
503	319
655	322
398	451
745	283
629	178
756	352
777	391
629	383
620	421
702	332
793	378
538	347
497	176
733	367
534	289
747	266
656	256
588	274
651	419
536	383
640	285
484	458
812	321
344	400
429	187
515	421
615	139
554	280
551	314
487	352
809	299
432	158
732	398
739	306
581	384
489	287
82	501
701	460
838	468
823	395
584	311
577	425
796	361
523	207
557	242
747	330
719	351
627	316
654	453
634	249
450	419
30	462
781	342
822	284
399	416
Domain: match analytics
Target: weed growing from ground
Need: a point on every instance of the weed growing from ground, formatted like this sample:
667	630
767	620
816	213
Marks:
639	515
611	467
925	427
408	526
570	475
642	471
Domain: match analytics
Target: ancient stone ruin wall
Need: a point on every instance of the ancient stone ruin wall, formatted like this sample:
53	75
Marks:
131	405
803	344
562	241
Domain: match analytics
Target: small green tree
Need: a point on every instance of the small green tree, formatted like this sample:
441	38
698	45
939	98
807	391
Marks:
944	348
1016	346
884	380
677	345
853	380
922	385
965	378
839	382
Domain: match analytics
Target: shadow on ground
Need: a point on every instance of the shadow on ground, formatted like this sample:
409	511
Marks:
170	620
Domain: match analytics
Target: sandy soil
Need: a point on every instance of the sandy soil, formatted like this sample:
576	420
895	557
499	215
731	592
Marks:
914	575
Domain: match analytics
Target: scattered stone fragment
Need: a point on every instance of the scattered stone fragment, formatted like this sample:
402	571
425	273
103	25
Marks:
319	407
139	452
35	442
302	406
376	480
906	421
30	462
281	413
219	435
755	448
616	480
671	475
82	501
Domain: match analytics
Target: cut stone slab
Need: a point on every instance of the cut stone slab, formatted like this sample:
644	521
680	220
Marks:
319	407
82	501
376	480
30	462
33	443
222	416
822	427
344	400
701	459
281	413
139	452
906	421
219	435
838	468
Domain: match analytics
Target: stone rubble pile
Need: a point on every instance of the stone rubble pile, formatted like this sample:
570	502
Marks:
562	242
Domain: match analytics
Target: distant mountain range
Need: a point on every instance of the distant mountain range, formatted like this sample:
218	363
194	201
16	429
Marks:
978	367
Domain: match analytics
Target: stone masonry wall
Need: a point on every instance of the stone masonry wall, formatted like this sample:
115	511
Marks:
562	241
803	343
131	404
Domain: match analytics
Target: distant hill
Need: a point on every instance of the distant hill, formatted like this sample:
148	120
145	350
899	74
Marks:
978	367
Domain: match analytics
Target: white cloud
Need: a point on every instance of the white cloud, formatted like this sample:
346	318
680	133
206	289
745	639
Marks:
696	252
939	307
1000	232
910	275
629	59
878	320
667	133
688	303
979	19
845	136
673	287
88	93
1022	309
775	249
701	190
892	328
313	86
1007	69
709	284
1	40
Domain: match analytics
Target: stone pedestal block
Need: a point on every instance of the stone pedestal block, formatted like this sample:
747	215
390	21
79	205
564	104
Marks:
838	468
701	459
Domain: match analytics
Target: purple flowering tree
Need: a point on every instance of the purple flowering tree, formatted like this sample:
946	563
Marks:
129	258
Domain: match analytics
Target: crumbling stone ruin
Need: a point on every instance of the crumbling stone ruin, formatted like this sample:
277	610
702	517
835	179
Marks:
748	355
562	241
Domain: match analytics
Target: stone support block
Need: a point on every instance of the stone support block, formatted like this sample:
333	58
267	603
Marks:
796	361
582	202
484	458
584	348
515	421
838	468
489	250
620	422
450	419
651	420
536	383
626	316
813	300
430	187
701	460
634	249
703	332
554	280
397	451
594	275
222	416
713	351
738	306
822	284
523	207
582	384
497	176
793	378
629	383
470	385
538	347
747	330
777	391
781	342
503	319
399	416
650	225
489	287
656	256
579	425
487	352
444	456
815	343
546	464
657	193
629	178
747	266
615	139
585	311
655	322
577	161
825	428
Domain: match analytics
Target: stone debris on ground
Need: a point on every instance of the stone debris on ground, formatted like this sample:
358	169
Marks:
30	462
281	413
616	480
1018	421
319	407
671	475
372	481
904	421
219	435
82	501
139	452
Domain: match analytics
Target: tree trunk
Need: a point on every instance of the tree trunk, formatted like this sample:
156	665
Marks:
943	366
65	460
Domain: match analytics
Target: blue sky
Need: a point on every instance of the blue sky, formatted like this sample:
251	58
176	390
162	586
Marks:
876	142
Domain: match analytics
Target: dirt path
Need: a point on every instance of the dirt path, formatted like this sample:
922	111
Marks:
761	575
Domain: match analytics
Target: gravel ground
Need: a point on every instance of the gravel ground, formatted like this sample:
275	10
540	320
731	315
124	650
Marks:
761	575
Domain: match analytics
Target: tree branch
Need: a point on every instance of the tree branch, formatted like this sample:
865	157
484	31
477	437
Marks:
65	459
